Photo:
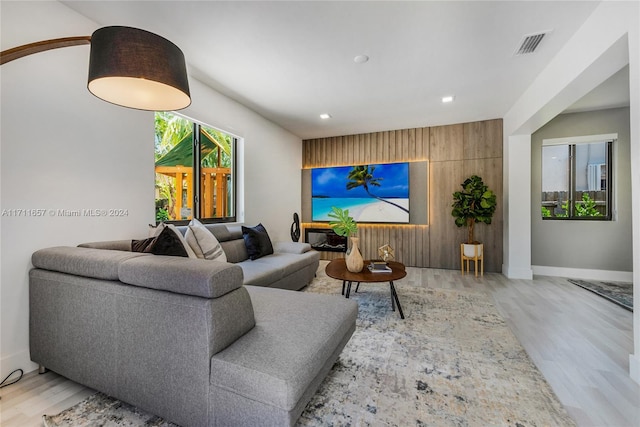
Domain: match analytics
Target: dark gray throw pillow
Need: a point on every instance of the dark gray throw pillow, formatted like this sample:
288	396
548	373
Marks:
165	243
141	245
257	241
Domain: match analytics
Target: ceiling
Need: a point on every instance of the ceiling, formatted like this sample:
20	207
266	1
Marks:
292	61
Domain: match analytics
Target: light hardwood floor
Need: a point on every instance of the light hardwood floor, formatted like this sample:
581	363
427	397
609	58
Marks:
579	341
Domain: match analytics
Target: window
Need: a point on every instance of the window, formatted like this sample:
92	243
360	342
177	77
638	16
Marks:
576	178
193	183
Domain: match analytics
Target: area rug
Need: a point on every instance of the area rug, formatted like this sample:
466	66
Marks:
452	362
620	293
100	410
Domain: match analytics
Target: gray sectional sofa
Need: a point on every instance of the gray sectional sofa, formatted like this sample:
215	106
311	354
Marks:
188	339
292	265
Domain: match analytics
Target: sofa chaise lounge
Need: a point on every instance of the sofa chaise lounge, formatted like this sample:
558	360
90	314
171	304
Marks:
185	339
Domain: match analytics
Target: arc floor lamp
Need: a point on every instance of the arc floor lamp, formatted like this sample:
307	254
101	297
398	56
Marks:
127	66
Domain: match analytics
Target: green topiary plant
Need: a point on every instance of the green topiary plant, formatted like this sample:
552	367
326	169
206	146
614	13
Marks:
342	223
475	203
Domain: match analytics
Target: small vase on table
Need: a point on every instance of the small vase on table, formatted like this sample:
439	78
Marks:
354	260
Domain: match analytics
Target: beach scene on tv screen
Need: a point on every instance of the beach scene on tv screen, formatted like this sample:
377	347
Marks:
372	193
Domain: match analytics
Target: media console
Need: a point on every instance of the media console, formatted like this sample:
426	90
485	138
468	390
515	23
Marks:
325	239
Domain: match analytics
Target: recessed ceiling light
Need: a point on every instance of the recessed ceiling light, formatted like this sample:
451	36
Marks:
360	59
325	116
449	98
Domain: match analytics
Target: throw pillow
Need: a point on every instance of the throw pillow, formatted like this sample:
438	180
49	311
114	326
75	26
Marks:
257	241
141	245
203	242
165	243
155	231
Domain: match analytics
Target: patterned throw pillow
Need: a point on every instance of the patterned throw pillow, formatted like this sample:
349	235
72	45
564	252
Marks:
203	242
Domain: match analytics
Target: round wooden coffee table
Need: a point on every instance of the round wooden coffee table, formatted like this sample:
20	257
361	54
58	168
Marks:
337	269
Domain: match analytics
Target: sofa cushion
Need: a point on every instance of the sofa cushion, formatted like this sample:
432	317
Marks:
198	277
220	231
263	273
295	334
257	241
291	247
235	250
87	262
203	242
268	270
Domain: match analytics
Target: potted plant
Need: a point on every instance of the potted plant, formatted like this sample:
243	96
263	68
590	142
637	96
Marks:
344	225
475	203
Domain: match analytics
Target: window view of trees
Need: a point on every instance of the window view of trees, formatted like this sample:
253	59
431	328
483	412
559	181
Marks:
576	181
178	195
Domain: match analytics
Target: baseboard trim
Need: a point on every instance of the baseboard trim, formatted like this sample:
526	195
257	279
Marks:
20	360
634	368
517	273
583	273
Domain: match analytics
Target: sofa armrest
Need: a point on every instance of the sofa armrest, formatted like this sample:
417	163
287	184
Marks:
291	247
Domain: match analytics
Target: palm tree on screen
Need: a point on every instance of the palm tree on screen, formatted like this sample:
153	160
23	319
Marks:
362	176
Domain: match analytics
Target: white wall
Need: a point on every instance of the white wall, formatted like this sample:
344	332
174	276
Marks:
606	42
62	148
270	160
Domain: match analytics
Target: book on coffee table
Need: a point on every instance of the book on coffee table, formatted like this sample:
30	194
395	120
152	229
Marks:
379	267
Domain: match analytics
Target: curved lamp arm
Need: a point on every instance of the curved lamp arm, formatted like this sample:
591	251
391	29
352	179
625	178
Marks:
41	46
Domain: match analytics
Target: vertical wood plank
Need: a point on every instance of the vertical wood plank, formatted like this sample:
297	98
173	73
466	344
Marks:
425	143
443	233
446	143
417	154
376	142
404	146
411	153
393	144
483	139
353	149
384	138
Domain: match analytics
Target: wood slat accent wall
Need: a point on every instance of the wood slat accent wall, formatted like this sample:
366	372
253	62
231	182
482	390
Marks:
454	152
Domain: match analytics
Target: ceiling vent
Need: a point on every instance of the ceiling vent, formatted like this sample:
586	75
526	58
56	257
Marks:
530	43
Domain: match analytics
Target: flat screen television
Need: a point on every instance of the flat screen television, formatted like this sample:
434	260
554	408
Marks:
372	193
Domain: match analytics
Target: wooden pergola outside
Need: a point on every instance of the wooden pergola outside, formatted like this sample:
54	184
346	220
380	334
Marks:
214	181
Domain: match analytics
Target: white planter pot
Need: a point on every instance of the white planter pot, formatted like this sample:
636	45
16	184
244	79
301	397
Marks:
470	250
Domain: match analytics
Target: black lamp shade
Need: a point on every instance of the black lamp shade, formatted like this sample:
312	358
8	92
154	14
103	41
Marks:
137	69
